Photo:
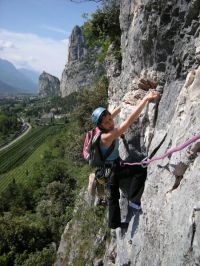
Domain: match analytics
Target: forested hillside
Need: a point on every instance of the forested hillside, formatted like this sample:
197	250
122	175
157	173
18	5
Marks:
38	196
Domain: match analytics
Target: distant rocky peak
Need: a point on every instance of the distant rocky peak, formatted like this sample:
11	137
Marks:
82	68
48	85
77	46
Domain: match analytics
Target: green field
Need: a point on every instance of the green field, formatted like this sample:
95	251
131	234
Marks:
18	160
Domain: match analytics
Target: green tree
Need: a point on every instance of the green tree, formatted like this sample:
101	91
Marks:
44	257
17	198
103	28
18	235
8	123
3	123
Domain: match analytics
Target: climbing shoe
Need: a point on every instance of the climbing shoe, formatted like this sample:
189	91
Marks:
124	225
124	228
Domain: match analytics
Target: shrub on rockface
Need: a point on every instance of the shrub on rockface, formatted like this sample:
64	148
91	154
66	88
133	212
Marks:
103	28
89	232
93	232
89	100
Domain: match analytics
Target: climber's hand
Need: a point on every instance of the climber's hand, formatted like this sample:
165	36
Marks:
152	95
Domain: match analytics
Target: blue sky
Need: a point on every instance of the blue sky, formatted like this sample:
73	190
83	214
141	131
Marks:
34	33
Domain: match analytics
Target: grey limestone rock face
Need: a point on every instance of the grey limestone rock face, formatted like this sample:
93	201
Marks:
48	85
166	232
161	38
82	68
158	35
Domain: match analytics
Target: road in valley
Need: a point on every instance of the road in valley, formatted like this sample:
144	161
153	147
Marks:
27	127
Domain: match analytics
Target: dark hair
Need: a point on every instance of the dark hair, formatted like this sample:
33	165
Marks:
104	113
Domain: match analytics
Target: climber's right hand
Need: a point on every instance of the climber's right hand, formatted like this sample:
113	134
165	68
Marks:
152	95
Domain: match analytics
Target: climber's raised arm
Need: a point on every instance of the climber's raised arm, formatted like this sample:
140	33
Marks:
107	122
115	112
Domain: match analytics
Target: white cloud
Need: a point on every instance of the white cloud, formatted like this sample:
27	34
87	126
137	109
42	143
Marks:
6	44
33	51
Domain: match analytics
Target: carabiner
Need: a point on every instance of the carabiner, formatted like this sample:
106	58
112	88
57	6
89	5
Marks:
144	165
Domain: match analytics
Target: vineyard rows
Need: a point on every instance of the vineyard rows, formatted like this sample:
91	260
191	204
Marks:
21	150
22	172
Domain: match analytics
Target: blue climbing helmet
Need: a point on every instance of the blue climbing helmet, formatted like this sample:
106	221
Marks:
96	114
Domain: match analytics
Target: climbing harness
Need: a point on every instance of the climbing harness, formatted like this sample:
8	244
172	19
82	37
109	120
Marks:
170	151
102	174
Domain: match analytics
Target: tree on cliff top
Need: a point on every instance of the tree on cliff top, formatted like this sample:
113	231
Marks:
103	28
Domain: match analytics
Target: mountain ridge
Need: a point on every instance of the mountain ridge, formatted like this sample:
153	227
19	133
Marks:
6	89
13	77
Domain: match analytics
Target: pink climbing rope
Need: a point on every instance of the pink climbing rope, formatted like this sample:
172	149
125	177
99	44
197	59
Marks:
168	152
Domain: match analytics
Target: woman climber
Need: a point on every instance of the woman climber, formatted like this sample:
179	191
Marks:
103	119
